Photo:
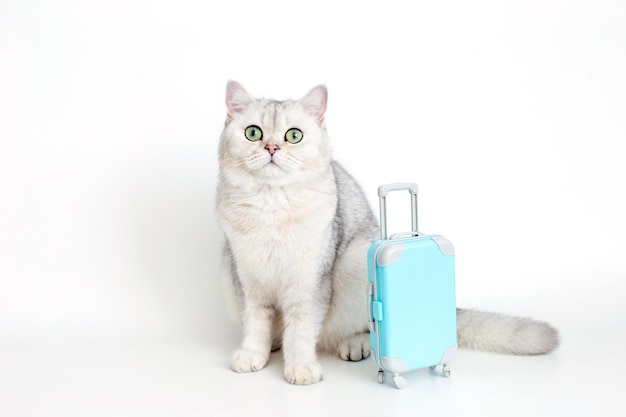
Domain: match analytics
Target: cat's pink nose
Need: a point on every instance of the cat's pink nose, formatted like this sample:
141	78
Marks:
272	149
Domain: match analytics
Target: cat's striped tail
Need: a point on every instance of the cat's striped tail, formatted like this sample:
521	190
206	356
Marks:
493	332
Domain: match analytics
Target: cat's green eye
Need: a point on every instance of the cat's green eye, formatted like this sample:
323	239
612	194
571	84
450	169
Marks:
254	133
293	135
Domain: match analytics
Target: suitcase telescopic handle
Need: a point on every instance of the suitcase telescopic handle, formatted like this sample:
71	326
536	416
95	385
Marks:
383	190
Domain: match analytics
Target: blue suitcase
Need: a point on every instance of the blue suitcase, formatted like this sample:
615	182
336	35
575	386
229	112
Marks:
412	302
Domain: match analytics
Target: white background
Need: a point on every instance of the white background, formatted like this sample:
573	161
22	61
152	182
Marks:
511	116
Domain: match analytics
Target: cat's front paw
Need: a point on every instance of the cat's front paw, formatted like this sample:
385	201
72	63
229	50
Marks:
303	373
244	360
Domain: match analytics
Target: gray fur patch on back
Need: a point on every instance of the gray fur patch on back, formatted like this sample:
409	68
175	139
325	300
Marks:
354	217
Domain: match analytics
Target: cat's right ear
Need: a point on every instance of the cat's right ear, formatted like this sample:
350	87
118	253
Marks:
237	99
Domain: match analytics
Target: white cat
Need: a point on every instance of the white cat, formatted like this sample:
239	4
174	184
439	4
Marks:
297	229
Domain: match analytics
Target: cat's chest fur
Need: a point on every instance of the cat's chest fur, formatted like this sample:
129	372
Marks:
275	232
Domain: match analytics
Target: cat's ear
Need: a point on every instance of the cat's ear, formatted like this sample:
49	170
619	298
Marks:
314	103
237	98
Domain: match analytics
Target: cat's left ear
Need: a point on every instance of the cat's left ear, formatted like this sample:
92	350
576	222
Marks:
314	103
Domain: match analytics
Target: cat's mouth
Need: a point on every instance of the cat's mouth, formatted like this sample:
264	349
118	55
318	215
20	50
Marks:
271	165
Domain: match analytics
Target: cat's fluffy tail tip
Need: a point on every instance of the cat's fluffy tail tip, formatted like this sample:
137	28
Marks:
504	334
541	337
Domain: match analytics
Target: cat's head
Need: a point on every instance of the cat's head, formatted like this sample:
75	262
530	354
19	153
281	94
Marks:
274	142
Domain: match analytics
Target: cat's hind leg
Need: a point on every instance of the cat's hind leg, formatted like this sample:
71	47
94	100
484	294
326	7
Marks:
355	348
345	327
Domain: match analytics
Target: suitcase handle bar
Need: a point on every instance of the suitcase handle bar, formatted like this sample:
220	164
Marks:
383	190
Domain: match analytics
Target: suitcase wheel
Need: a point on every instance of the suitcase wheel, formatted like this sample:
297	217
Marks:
381	376
445	369
399	381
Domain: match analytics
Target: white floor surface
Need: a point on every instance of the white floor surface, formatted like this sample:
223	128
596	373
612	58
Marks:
193	379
